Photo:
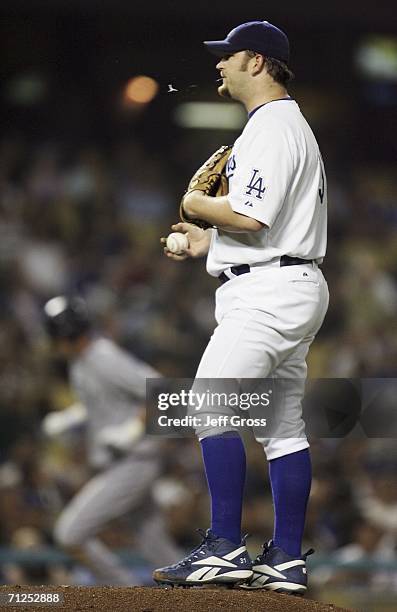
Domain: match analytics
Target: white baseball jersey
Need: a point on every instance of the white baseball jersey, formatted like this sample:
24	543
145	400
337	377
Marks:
276	175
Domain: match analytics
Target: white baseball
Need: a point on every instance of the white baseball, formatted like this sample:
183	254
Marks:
177	243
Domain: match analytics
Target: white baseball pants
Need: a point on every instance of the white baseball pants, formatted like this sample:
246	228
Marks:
267	320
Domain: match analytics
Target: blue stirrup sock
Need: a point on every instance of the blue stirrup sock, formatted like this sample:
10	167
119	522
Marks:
290	478
225	467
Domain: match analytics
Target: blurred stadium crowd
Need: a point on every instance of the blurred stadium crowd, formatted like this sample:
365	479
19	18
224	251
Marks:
88	220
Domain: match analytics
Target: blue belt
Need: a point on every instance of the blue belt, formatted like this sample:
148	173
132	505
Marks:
285	260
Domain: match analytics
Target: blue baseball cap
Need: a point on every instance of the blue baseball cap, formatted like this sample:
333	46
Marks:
259	36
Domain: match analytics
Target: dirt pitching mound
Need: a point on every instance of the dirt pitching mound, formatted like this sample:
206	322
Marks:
152	599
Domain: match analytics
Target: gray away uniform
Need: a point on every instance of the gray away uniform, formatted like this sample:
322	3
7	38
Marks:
111	384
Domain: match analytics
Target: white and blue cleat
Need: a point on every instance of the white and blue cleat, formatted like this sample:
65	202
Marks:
275	570
215	561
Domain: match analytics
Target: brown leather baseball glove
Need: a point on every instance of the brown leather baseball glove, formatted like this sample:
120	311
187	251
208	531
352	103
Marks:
211	179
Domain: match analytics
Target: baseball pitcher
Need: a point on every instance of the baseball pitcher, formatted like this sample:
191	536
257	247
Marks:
263	232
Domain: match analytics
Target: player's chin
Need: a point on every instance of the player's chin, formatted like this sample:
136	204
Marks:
223	91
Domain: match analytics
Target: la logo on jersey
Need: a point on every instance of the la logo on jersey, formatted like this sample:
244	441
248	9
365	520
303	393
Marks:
256	185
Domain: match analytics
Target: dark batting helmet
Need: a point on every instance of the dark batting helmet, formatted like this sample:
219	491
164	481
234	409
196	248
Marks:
66	317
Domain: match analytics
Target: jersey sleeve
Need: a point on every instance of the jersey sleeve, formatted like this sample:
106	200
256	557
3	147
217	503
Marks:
264	167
